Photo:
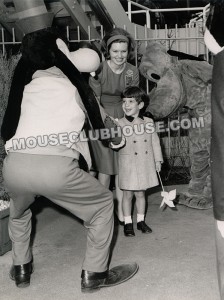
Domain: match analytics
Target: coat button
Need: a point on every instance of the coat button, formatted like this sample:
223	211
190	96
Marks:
136	153
146	152
134	141
145	140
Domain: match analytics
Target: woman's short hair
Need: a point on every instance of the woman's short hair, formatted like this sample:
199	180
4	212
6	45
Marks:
117	31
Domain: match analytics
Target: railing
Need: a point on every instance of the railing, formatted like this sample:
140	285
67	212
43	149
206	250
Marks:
189	40
3	42
200	17
147	11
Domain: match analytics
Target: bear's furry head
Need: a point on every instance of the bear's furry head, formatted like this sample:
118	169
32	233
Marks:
155	61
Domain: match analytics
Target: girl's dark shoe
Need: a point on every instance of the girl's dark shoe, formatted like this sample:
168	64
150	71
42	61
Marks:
143	227
128	229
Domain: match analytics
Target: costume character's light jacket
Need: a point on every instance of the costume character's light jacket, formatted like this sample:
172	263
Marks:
51	111
52	118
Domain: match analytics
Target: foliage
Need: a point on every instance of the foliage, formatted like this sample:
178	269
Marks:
7	66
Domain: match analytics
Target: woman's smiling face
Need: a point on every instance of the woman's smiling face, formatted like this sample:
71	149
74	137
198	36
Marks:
118	53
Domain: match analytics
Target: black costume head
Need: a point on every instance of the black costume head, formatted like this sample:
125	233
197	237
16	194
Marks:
215	20
40	52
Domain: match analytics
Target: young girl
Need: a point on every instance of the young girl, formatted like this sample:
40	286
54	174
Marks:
139	159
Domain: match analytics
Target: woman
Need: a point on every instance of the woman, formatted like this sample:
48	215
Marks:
113	76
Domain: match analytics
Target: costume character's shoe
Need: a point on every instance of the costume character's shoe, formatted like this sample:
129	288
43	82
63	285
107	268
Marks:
93	281
21	274
143	227
128	229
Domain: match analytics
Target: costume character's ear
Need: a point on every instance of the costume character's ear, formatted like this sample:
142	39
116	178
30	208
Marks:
86	93
72	64
12	114
38	52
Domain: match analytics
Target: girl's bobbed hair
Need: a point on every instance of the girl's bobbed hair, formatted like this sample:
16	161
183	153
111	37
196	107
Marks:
138	94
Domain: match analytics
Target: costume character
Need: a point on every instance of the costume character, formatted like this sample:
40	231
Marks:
183	83
214	40
42	127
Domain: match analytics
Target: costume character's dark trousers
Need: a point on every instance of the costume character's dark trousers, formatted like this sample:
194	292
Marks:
217	158
59	179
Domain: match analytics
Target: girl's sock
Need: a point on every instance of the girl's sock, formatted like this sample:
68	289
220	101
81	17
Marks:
140	218
127	220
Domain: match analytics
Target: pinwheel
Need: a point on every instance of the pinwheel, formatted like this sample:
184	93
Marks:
168	197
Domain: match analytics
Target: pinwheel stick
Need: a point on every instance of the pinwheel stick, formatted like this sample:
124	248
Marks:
161	182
